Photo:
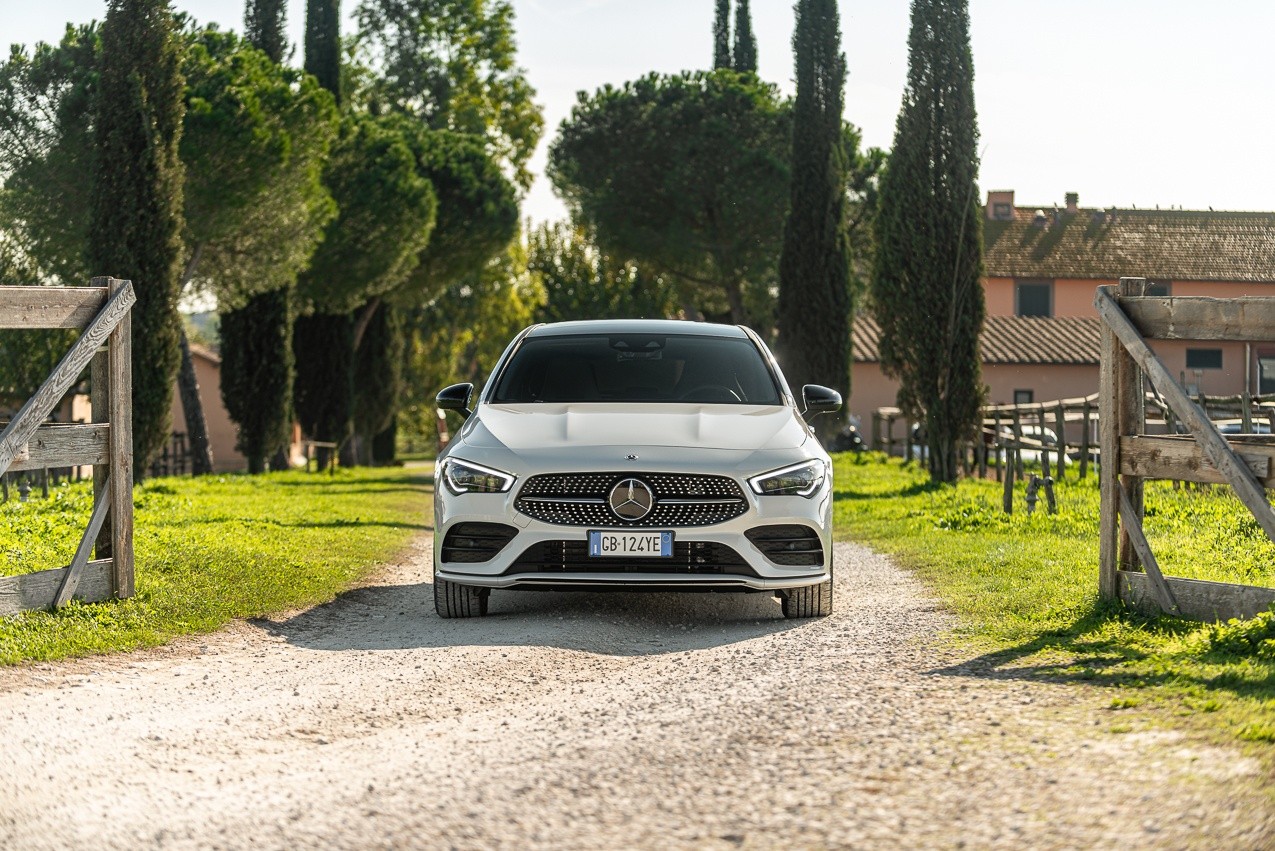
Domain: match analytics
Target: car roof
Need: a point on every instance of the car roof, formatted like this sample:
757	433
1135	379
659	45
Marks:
637	326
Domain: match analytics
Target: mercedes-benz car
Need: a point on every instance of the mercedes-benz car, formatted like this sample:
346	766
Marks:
634	454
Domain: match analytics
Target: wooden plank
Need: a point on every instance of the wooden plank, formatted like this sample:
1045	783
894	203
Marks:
1215	447
1131	412
50	307
38	590
1132	524
64	445
99	395
1250	319
1108	470
1180	458
72	578
39	406
120	486
1197	599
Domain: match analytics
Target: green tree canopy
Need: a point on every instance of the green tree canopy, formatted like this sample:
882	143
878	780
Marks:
686	174
926	287
263	27
451	64
580	281
721	35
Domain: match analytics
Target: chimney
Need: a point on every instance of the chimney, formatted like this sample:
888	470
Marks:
1073	202
1000	205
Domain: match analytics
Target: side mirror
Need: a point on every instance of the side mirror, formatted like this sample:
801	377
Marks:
819	400
456	398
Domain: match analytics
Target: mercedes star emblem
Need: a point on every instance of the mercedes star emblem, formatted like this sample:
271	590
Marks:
631	499
631	457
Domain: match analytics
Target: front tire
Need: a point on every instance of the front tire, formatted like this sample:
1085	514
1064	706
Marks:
812	601
453	600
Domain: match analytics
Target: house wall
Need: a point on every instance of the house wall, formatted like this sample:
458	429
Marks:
222	433
1074	297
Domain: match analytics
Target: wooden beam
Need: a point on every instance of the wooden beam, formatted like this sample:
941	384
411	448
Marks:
1197	599
38	590
72	578
1215	447
120	487
1180	458
49	307
59	445
1108	470
1249	319
1132	525
23	426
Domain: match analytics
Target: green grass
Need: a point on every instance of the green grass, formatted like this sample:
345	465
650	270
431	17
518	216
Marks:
1024	589
209	550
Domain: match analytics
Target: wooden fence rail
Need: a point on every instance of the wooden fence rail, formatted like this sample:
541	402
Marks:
1128	569
102	312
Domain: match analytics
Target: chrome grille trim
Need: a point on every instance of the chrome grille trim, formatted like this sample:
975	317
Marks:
681	499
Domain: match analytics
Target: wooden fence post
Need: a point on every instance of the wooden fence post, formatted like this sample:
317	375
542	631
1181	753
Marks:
1108	467
1060	425
1084	439
1131	416
120	484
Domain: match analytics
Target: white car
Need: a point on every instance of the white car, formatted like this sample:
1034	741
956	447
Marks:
634	454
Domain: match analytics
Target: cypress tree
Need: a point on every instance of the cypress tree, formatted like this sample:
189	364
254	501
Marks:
136	207
745	42
257	372
323	343
721	35
926	280
257	361
814	266
323	44
378	380
263	27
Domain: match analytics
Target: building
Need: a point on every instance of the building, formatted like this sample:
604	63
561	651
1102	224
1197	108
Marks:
222	432
1042	268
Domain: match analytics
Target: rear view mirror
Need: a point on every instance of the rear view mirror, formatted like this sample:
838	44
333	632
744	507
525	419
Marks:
817	399
455	398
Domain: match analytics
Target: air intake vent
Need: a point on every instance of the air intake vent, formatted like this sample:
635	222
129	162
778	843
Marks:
792	546
468	543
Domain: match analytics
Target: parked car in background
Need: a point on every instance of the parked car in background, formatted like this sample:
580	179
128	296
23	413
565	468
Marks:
635	455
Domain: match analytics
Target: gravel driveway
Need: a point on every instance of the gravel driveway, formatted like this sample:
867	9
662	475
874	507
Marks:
597	721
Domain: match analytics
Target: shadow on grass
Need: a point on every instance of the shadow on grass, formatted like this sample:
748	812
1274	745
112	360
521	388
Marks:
614	623
217	520
324	480
1070	656
911	490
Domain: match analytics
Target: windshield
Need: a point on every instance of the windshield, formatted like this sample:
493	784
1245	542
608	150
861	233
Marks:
637	368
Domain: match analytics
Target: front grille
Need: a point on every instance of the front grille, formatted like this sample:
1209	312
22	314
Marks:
788	545
689	558
470	543
681	499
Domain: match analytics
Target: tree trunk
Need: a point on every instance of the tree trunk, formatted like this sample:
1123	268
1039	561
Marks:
735	298
201	460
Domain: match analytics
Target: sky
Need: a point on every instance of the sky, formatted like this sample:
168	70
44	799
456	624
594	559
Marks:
1128	102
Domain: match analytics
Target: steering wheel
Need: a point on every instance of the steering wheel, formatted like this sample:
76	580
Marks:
711	393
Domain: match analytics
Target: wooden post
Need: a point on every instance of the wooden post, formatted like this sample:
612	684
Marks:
1108	466
982	450
1131	414
889	434
996	443
907	440
876	431
1007	498
1018	444
1060	426
1084	438
120	487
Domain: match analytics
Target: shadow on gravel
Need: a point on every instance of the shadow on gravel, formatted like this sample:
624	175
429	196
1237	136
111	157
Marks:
401	617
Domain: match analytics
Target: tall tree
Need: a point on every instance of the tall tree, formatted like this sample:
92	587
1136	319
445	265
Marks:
686	174
721	35
451	64
323	44
136	208
815	304
263	27
926	285
745	43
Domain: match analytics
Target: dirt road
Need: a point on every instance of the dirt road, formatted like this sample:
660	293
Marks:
597	721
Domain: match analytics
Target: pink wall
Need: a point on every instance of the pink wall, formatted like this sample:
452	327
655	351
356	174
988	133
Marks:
1074	297
222	433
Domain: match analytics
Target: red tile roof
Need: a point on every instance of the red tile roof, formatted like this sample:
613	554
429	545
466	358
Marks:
1008	340
1178	245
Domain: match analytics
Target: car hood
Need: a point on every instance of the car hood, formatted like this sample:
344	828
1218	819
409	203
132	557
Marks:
576	426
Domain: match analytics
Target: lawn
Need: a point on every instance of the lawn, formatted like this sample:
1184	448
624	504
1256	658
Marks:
212	549
1024	589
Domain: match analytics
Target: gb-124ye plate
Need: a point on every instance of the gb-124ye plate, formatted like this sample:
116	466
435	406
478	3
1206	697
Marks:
626	543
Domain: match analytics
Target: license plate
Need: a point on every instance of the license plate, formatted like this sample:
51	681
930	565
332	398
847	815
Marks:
630	544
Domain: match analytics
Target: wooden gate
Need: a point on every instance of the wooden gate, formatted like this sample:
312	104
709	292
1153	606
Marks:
102	311
1129	455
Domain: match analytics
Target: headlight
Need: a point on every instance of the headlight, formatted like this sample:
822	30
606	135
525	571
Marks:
798	480
468	477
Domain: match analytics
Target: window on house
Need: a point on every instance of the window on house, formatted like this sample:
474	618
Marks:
1002	212
1034	298
1023	397
1158	288
1266	375
1203	358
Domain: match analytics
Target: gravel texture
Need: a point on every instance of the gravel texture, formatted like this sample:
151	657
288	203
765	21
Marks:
598	721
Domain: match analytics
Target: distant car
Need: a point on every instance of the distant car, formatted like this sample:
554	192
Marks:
1038	434
635	455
